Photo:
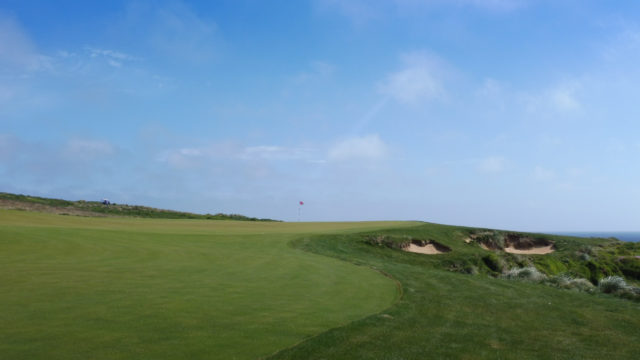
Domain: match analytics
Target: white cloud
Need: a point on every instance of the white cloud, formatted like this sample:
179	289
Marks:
491	88
274	153
562	98
420	79
112	57
369	147
196	156
182	158
492	164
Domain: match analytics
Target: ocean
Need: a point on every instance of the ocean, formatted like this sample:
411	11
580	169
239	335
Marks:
624	236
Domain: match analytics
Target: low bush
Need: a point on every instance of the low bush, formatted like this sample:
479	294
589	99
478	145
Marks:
528	273
565	281
612	284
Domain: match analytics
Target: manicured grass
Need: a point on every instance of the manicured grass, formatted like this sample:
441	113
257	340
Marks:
122	288
449	315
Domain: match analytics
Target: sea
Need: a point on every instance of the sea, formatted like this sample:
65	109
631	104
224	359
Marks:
631	236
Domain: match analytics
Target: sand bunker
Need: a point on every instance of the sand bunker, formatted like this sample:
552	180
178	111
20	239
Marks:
533	251
513	243
427	247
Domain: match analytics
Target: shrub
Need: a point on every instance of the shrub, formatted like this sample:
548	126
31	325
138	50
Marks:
528	273
584	257
581	285
612	284
565	281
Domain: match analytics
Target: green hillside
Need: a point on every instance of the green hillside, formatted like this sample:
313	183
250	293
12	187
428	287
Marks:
96	208
78	287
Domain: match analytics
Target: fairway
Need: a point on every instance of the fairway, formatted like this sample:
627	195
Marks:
123	288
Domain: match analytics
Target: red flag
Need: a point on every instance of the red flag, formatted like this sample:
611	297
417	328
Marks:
301	202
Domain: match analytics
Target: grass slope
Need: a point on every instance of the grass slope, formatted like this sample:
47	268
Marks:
124	288
445	314
95	208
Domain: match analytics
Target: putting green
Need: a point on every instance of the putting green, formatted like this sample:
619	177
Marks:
119	288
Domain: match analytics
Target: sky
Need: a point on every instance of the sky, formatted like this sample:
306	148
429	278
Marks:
511	114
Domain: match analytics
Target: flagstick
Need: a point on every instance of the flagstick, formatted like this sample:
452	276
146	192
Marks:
298	212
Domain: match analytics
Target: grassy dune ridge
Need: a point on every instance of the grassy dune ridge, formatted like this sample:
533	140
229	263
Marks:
96	208
123	288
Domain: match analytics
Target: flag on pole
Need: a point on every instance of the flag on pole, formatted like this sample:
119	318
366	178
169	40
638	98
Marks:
301	202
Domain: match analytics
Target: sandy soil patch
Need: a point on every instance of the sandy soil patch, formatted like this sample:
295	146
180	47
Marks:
428	249
541	250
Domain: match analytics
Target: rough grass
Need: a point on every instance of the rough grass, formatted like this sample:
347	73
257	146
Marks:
444	314
95	208
116	288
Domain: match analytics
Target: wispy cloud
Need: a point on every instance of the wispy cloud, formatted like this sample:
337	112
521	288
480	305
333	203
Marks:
369	147
197	156
565	98
421	79
560	98
276	153
113	57
491	164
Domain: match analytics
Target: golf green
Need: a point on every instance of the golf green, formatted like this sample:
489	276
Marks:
119	288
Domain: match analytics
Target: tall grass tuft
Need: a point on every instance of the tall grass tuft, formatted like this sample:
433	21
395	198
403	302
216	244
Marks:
613	284
564	281
529	273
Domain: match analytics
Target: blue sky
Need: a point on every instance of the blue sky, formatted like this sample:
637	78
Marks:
517	114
